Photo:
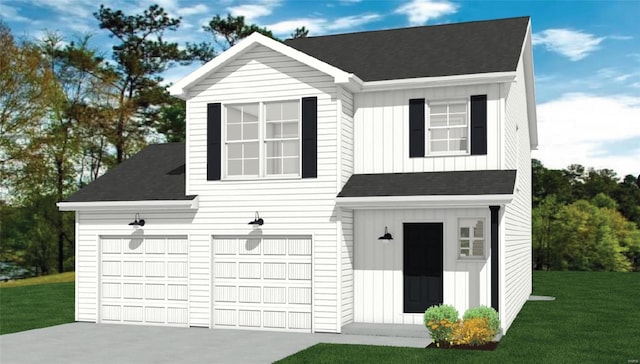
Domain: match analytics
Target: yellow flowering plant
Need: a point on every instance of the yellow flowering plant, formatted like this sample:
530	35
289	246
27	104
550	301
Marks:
472	331
440	320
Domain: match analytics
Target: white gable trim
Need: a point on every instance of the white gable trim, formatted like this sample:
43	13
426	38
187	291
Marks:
119	205
527	61
340	76
441	81
431	201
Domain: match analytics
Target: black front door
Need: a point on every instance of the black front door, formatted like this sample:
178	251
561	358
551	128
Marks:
422	266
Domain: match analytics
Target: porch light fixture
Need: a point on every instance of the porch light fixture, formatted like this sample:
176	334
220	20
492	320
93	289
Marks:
137	221
257	220
386	235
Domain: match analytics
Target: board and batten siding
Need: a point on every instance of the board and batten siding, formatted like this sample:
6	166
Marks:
381	131
94	224
516	256
378	264
288	206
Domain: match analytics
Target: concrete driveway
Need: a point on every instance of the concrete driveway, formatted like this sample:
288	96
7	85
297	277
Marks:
103	343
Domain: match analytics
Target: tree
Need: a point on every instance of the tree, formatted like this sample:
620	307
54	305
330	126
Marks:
301	32
230	30
173	121
140	57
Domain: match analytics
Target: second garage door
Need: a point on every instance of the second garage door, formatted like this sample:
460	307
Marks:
262	283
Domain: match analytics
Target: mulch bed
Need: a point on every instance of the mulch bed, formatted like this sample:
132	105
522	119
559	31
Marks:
492	345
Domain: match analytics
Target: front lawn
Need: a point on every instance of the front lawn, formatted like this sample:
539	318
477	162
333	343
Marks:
34	306
594	319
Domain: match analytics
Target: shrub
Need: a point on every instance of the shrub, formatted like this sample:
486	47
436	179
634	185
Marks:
473	331
487	313
440	320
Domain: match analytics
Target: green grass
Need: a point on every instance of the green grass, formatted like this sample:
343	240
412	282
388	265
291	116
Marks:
52	278
594	319
35	306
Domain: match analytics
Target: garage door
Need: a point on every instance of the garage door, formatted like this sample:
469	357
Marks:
262	283
144	280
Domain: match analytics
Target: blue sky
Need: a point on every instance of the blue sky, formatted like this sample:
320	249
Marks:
586	54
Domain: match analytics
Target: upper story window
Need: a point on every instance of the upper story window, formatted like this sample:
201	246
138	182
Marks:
448	128
263	139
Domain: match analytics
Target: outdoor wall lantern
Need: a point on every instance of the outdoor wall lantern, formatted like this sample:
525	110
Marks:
386	235
257	220
137	221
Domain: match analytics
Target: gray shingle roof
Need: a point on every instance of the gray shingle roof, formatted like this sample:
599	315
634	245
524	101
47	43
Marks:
428	51
155	173
430	183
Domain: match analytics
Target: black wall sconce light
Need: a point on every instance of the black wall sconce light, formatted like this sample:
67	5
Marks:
386	235
257	220
137	221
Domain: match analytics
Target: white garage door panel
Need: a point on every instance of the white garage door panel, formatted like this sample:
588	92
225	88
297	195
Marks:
262	283
144	280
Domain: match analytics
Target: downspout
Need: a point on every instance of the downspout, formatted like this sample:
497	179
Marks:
495	257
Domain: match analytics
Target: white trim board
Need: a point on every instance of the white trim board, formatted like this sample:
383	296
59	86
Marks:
119	205
428	201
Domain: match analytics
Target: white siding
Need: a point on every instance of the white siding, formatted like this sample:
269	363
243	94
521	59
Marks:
516	248
381	131
288	206
93	224
378	265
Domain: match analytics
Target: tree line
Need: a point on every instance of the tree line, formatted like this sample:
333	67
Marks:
68	114
585	219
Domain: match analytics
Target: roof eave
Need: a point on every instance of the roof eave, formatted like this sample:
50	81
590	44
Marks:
422	201
192	204
439	81
180	89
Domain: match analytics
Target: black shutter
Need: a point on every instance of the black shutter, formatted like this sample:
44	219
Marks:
478	124
416	128
214	142
309	137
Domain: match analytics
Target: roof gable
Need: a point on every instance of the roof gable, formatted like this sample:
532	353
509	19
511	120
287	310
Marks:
429	51
180	88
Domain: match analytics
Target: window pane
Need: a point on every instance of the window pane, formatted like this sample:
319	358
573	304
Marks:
251	150
478	248
464	232
290	130
438	109
458	108
274	149
478	230
251	167
233	132
234	168
290	165
438	120
273	111
274	130
464	243
458	145
234	114
250	131
464	252
250	113
234	151
458	119
290	148
274	166
439	133
290	110
456	133
440	146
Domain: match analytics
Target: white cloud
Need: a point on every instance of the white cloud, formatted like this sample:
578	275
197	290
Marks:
578	128
251	12
9	12
193	10
421	11
319	26
573	44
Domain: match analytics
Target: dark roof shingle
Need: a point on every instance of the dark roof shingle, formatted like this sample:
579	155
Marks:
430	183
155	173
428	51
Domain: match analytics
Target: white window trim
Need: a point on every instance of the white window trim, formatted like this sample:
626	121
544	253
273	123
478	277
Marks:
262	175
427	134
485	238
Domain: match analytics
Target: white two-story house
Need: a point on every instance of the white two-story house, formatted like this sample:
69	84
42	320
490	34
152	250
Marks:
352	178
